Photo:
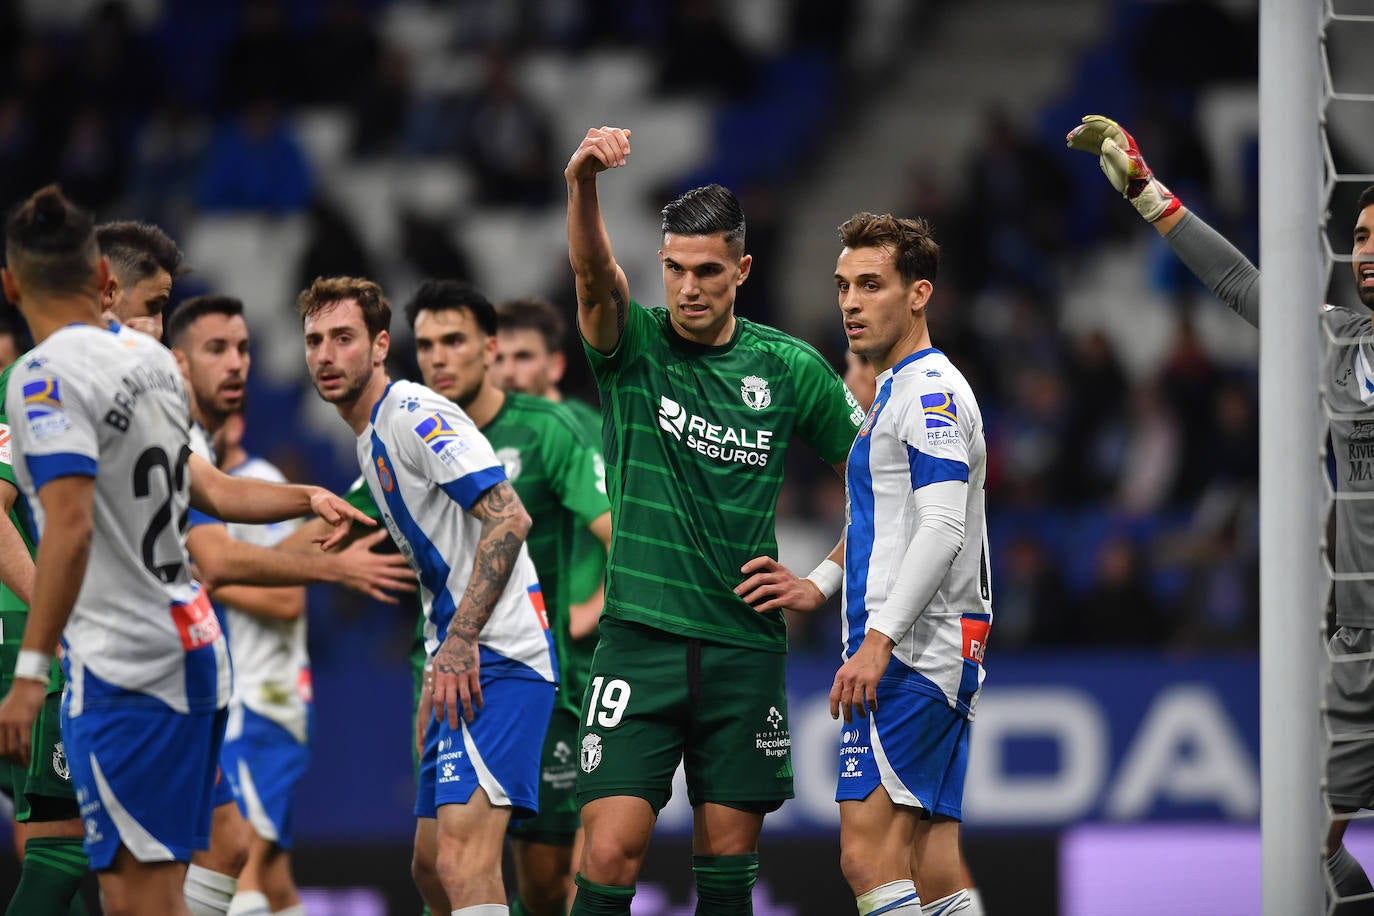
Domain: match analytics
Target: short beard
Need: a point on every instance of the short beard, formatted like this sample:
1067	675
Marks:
350	394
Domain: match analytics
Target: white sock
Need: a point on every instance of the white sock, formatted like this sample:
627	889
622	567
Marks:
958	902
208	893
975	903
249	903
484	909
895	898
297	910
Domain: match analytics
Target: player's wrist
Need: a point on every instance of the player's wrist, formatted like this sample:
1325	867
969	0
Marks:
32	665
828	576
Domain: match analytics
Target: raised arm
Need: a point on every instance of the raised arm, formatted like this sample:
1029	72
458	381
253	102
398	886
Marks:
603	293
1212	259
505	523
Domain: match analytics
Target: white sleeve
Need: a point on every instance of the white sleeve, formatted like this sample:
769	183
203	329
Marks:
939	537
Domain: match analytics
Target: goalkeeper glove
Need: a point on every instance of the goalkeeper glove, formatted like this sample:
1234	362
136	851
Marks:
1123	165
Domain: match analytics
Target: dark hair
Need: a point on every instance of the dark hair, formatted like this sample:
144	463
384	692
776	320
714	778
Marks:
535	314
1366	198
326	291
438	295
706	211
195	308
914	251
137	251
50	243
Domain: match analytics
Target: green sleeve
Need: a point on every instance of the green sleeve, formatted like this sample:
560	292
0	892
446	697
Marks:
830	416
639	323
577	471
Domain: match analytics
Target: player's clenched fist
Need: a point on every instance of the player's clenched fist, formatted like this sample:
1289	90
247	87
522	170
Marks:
603	148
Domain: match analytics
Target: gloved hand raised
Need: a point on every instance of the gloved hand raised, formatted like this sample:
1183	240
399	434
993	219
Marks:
1123	165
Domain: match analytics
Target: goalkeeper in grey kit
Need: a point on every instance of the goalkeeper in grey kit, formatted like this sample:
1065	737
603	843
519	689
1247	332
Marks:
1348	366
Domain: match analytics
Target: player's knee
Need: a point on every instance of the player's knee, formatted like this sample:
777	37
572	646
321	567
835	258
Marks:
860	865
612	860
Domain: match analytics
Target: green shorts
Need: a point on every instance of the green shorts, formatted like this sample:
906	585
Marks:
42	791
558	818
656	698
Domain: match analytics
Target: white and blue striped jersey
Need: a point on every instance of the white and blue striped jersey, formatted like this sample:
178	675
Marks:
271	664
426	464
109	403
924	428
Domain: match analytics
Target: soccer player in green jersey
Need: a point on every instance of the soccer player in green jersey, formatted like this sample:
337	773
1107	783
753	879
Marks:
700	407
559	477
47	819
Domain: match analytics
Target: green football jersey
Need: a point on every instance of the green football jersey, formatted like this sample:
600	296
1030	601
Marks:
694	440
13	612
560	478
589	554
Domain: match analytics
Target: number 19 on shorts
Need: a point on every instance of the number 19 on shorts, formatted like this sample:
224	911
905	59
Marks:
607	707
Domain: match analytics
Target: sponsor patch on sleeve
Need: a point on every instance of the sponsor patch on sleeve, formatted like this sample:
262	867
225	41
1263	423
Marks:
43	408
6	454
442	439
942	417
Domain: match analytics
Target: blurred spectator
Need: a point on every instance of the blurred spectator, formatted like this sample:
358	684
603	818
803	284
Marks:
430	247
332	248
1014	190
18	172
380	110
1031	597
1096	433
509	141
341	56
700	53
256	163
1151	453
1187	379
168	157
115	69
91	165
1119	609
264	60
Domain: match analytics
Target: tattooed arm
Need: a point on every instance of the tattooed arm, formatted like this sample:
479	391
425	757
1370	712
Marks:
603	293
456	669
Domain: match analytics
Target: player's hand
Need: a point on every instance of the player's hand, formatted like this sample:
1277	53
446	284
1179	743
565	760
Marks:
374	574
145	323
603	148
856	683
424	711
337	512
457	679
770	586
17	714
1120	160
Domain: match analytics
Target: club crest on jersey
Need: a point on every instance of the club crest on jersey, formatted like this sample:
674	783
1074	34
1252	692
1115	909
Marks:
755	392
59	762
591	753
442	439
510	460
940	410
870	419
43	408
384	475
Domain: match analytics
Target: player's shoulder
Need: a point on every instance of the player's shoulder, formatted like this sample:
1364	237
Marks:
406	403
795	352
541	411
1342	319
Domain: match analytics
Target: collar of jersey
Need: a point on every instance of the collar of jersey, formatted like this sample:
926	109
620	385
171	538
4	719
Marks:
378	406
903	363
691	346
